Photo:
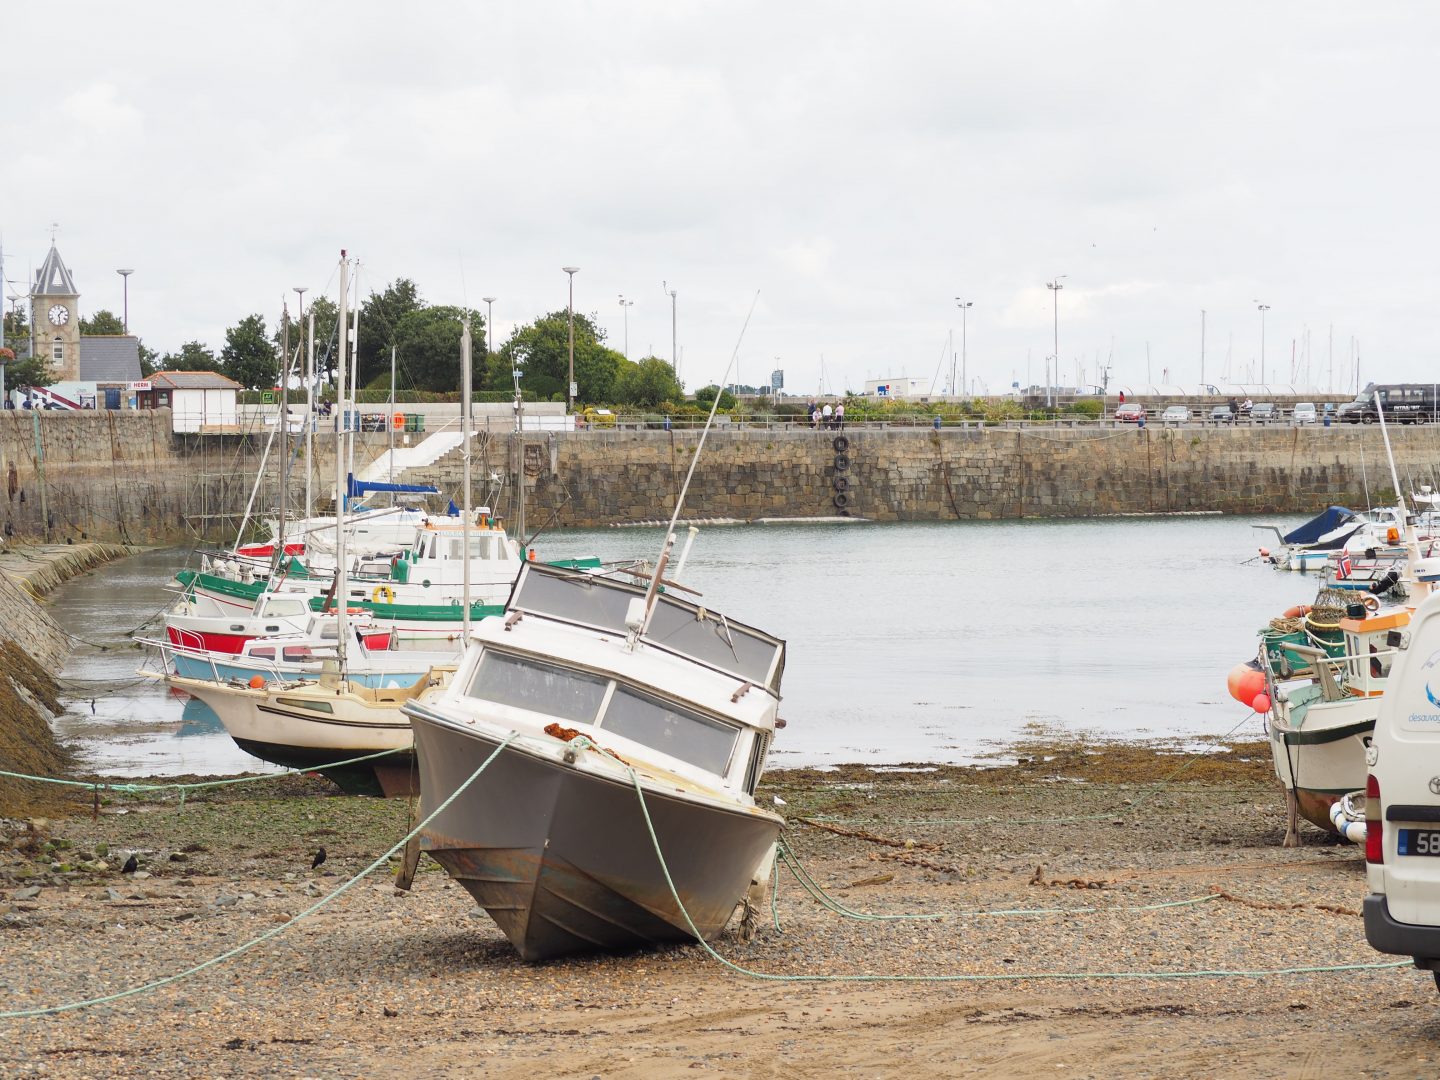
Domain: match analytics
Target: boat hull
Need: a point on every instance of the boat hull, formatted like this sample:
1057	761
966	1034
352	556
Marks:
561	857
1324	760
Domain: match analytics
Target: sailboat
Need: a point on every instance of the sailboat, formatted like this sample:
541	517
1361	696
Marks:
314	724
625	730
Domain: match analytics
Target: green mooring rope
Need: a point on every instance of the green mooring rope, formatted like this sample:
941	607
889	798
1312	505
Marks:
132	991
1074	976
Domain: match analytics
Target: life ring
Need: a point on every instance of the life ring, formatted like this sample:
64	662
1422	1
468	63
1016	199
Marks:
841	499
383	594
842	462
1372	603
841	444
1299	611
841	483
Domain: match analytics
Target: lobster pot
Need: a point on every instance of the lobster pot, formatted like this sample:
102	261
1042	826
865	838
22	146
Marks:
1326	633
1284	662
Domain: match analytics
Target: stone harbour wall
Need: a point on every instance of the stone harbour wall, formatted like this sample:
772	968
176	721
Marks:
125	477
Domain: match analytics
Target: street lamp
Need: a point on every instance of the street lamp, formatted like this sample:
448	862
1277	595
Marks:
570	398
674	361
489	324
125	276
1054	287
625	306
965	306
1263	308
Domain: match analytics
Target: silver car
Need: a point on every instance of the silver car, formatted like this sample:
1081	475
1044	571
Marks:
1175	414
1305	413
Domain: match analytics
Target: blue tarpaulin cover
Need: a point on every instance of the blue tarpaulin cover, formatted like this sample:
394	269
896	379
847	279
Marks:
358	488
1333	518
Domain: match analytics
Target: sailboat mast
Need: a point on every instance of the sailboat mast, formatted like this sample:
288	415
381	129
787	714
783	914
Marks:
342	583
354	373
465	396
310	391
389	424
278	556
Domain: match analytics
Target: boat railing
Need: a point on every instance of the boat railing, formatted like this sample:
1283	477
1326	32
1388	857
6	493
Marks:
268	668
1326	667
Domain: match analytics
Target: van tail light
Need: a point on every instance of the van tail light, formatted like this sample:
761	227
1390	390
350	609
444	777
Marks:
1374	837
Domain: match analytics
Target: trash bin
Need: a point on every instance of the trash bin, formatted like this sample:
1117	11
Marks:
1327	419
937	423
410	419
419	422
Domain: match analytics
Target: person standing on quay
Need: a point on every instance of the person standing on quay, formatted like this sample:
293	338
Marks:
826	413
840	416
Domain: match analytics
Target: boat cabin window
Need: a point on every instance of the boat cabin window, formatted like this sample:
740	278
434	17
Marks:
284	608
297	653
330	632
698	740
524	684
263	654
481	547
757	762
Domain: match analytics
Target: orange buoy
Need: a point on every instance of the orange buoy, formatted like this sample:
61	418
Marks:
257	682
1261	704
398	421
1244	683
1299	611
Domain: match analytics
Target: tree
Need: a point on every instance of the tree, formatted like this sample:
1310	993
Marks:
379	316
102	324
193	356
24	370
428	341
540	351
248	356
706	394
149	361
647	383
327	315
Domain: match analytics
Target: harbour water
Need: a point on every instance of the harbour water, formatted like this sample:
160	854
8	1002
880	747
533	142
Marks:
913	643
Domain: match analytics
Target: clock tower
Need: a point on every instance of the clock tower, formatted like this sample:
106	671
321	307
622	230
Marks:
55	317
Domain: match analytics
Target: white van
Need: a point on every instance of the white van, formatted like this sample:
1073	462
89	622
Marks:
1402	793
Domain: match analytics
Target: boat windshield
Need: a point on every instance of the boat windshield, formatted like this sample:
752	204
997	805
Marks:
676	625
697	740
541	688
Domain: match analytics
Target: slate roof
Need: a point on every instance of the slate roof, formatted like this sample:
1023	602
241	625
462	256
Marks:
109	359
53	279
193	380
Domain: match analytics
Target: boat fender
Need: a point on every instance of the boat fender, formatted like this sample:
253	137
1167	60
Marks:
842	462
841	484
383	594
1372	603
841	444
1299	611
1351	830
841	499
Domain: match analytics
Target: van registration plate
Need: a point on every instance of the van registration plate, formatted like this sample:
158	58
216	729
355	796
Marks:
1418	842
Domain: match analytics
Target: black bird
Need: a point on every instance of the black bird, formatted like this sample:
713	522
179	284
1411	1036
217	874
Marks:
319	858
131	865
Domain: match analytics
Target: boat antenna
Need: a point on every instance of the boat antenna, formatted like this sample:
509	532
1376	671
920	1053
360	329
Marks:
1407	522
690	473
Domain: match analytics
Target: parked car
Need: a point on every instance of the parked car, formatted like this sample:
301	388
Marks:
1402	797
1305	413
1175	414
1130	413
1222	414
1265	412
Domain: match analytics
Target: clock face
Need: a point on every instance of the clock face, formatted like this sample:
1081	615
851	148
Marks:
59	314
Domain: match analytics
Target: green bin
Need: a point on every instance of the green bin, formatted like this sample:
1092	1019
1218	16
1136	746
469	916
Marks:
419	421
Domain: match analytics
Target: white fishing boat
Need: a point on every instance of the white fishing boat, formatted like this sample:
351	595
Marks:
315	724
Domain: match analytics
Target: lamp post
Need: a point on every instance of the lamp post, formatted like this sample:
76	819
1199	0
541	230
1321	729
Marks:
1263	308
1054	287
570	397
965	306
1202	347
125	277
625	306
674	361
489	325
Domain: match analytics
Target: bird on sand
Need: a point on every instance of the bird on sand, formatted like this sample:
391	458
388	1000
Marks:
319	858
131	865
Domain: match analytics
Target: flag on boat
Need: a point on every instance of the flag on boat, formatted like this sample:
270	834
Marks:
1343	569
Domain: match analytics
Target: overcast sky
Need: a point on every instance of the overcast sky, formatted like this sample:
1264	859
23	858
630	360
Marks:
858	165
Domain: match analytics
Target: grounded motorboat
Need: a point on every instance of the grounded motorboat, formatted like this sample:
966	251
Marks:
314	725
611	710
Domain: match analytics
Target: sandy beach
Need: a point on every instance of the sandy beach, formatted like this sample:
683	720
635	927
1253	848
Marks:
1112	867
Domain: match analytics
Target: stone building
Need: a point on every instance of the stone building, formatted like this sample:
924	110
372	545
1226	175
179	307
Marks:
83	365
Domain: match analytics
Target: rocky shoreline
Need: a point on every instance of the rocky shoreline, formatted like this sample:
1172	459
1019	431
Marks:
1088	861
